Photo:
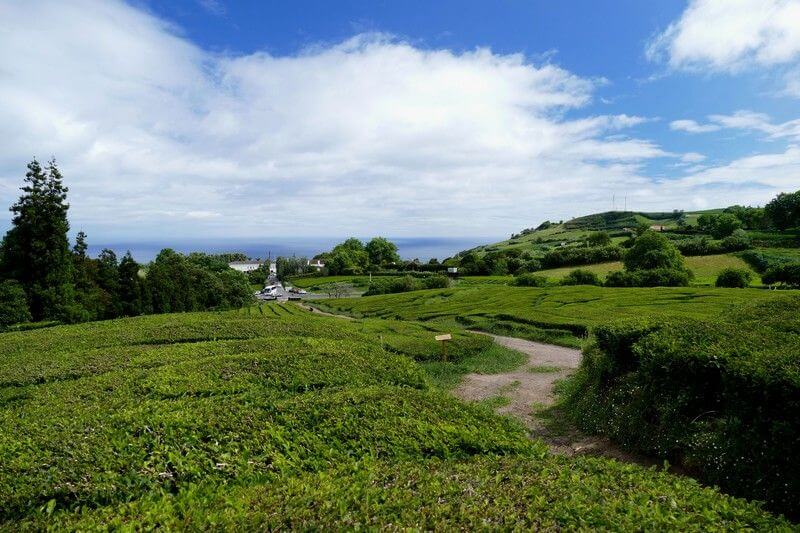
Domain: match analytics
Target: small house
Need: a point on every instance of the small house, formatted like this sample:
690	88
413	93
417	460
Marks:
245	266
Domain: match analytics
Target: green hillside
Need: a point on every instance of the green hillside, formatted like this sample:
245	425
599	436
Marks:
562	315
616	223
252	420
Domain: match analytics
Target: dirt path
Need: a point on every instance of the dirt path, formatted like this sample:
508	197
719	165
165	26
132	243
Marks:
529	390
316	311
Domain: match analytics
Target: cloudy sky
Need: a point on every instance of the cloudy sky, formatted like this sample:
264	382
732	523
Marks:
219	118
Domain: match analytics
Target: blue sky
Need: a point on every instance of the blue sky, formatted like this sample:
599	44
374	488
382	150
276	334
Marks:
204	118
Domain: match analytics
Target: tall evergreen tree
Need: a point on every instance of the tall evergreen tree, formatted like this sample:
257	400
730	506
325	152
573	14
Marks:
132	292
81	264
35	251
108	281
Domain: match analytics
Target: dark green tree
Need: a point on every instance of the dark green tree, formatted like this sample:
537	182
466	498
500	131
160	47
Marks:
348	257
653	250
13	304
290	266
81	264
382	251
108	281
598	238
724	225
652	261
784	210
132	293
35	251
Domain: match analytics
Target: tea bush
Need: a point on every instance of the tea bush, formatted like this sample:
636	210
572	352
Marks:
737	278
530	280
719	397
406	283
546	493
581	277
527	311
272	418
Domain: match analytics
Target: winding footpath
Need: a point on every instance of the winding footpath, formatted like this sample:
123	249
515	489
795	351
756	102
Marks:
528	391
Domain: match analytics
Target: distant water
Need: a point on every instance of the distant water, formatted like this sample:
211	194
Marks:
422	248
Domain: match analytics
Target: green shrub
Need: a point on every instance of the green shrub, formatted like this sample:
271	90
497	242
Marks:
530	280
651	251
13	304
719	397
736	278
573	256
406	283
785	274
436	282
700	246
657	277
581	277
737	241
762	260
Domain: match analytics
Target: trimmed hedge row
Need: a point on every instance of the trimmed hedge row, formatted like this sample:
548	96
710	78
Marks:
252	420
545	493
719	397
573	256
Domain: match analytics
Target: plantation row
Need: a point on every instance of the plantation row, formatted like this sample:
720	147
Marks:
561	315
252	419
719	396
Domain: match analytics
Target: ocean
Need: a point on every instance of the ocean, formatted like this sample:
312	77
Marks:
422	248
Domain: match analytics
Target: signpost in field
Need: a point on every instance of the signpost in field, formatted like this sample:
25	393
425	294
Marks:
444	339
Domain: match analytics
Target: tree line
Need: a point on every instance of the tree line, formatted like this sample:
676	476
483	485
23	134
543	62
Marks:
42	277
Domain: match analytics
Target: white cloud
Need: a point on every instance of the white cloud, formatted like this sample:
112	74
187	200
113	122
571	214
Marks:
733	35
692	157
792	83
778	171
743	120
692	126
727	35
369	135
157	137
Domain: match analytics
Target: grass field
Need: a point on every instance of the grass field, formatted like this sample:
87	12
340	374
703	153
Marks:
252	420
705	268
561	315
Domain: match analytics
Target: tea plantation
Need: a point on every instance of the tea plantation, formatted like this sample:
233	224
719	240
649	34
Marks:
720	396
273	418
560	315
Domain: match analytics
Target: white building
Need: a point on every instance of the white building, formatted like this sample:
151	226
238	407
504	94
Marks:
317	264
246	266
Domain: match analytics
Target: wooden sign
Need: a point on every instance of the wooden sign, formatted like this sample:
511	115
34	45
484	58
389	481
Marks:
445	337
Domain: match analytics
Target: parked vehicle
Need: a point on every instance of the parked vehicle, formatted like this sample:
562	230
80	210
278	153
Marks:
270	292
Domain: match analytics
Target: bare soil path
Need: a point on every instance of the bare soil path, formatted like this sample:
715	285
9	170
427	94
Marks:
529	395
528	392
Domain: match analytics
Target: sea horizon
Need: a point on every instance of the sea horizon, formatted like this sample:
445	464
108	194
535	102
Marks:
409	248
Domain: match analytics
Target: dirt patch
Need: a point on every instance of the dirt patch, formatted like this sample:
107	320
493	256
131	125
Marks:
530	397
